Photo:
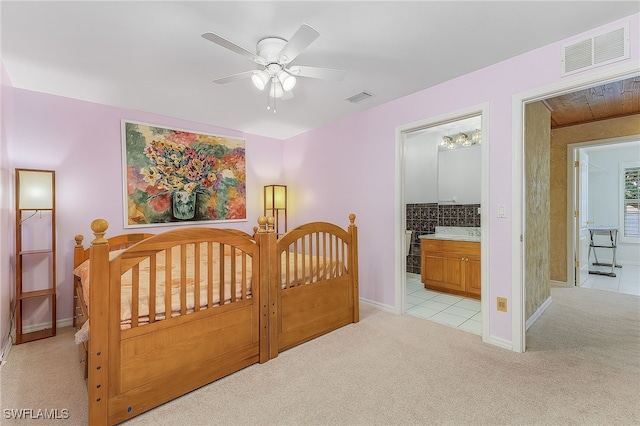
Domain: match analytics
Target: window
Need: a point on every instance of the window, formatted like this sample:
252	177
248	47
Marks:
631	200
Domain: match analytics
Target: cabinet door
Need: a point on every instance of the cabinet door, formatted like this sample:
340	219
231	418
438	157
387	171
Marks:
472	275
433	267
453	267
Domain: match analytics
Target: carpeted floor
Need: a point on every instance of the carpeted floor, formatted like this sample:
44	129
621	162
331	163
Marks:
582	367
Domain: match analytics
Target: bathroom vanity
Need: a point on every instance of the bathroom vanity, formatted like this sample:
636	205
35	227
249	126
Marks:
451	261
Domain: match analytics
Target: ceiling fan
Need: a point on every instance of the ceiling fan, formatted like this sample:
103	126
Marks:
275	55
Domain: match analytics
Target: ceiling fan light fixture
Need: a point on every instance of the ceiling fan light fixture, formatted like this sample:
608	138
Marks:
260	79
287	80
276	90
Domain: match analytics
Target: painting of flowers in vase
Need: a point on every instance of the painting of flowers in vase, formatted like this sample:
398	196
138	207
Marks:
176	176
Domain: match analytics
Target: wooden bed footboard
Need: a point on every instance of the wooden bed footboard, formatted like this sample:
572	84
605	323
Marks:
212	333
270	296
314	283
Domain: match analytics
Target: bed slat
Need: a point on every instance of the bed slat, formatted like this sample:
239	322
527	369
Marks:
152	288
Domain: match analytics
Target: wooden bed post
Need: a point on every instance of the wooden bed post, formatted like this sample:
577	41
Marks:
353	230
266	239
274	289
78	258
98	380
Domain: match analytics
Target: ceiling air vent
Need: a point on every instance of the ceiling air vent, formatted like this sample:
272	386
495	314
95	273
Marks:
600	49
358	97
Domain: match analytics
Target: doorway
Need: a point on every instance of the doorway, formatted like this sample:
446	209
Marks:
626	77
421	209
598	190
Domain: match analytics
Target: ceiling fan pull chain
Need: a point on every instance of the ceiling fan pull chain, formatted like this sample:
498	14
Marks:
274	104
268	100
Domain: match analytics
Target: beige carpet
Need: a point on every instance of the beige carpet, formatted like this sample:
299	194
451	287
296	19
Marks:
582	367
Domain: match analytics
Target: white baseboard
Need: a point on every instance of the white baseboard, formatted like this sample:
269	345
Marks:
67	322
5	350
533	318
500	342
378	305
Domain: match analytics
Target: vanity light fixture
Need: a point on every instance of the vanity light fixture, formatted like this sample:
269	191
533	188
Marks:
447	142
462	139
476	136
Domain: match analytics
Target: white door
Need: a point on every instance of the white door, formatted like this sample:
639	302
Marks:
581	217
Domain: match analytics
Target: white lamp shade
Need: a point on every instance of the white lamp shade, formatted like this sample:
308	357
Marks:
276	89
275	197
260	79
288	81
35	189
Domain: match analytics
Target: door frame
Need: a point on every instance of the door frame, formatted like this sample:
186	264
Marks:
518	188
575	184
572	197
401	211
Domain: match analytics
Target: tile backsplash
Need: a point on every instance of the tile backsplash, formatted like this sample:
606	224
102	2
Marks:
424	217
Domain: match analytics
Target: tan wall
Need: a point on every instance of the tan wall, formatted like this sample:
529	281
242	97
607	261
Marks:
536	157
560	138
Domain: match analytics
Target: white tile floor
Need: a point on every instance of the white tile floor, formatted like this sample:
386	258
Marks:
455	311
627	280
463	313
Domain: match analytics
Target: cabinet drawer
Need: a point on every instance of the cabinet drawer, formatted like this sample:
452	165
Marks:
432	245
462	247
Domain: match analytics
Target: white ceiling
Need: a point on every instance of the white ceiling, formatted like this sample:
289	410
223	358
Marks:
150	56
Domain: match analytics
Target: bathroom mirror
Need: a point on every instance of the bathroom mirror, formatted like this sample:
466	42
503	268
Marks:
435	174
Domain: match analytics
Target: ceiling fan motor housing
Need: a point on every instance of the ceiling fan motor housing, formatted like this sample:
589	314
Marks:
269	49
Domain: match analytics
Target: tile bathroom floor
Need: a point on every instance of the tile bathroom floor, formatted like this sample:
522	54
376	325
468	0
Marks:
627	280
455	311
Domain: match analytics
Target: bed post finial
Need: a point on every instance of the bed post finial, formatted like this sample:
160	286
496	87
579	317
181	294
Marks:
262	225
99	228
270	224
78	239
352	219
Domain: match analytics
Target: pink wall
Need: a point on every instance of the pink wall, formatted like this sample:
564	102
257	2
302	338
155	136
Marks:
347	166
81	141
6	224
350	166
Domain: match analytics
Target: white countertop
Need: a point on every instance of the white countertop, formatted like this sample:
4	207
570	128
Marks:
454	233
450	237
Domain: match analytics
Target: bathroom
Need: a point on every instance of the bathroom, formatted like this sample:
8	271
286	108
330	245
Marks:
442	196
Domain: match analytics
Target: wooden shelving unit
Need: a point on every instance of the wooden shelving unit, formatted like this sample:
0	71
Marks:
35	198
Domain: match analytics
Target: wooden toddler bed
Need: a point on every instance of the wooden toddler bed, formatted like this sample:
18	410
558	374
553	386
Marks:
275	294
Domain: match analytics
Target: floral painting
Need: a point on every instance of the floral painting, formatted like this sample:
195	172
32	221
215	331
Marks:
176	176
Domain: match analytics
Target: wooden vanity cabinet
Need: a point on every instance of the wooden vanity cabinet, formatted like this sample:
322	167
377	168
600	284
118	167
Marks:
451	266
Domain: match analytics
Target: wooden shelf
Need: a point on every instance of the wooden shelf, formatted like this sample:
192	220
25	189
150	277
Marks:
35	335
35	234
43	251
36	293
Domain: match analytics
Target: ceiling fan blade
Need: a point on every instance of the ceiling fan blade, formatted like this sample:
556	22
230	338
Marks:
314	72
297	43
234	77
234	47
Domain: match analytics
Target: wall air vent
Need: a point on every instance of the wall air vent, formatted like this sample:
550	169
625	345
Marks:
600	49
359	97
